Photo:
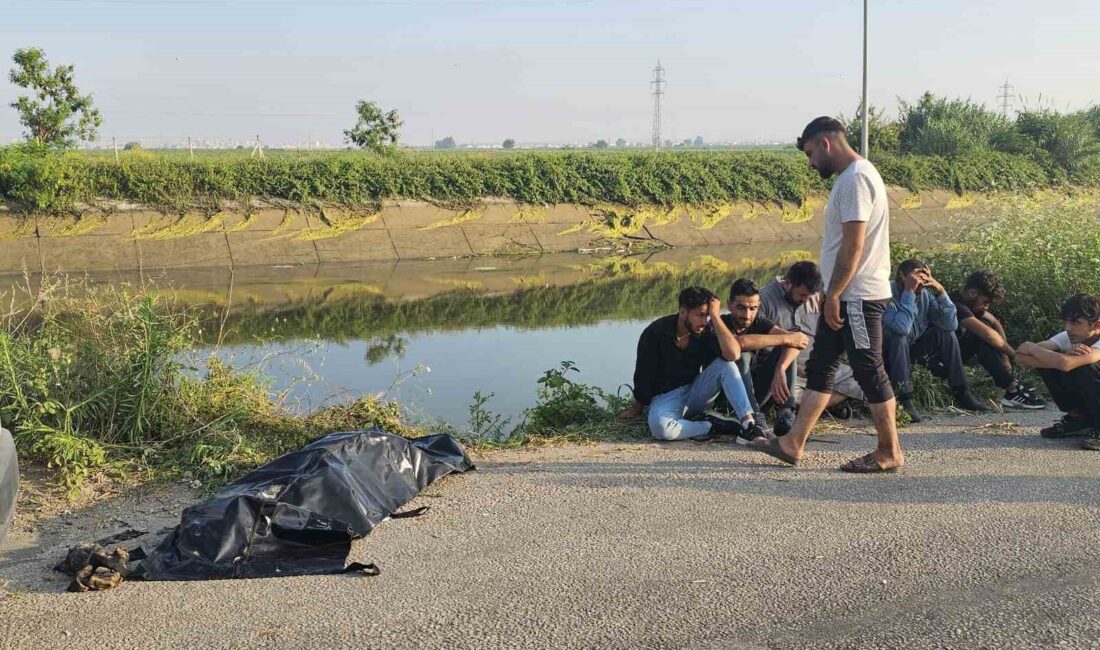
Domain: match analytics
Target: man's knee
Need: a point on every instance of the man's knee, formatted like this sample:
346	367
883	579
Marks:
893	341
664	427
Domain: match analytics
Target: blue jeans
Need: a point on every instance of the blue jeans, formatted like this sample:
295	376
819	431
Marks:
668	412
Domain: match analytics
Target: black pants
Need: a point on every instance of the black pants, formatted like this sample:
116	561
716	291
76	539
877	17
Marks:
1076	390
995	362
861	338
758	375
935	349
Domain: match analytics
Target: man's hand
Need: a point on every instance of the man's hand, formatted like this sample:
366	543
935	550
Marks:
780	391
714	309
797	340
912	280
832	312
1080	350
926	280
632	412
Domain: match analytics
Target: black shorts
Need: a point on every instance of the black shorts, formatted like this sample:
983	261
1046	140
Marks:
861	338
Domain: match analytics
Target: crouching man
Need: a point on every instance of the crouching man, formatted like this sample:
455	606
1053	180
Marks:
684	361
1069	363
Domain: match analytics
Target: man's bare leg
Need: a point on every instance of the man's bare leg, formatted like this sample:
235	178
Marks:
809	412
888	452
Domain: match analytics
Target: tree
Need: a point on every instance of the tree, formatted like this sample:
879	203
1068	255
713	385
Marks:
698	141
509	144
132	146
937	126
620	143
600	144
57	115
446	143
375	130
686	143
883	134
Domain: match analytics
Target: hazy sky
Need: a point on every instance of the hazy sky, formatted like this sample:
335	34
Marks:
539	70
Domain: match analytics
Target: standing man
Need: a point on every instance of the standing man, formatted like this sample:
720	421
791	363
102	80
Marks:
855	261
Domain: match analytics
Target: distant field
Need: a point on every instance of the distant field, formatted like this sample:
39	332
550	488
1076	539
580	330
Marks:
171	180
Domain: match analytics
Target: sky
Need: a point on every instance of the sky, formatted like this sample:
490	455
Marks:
546	71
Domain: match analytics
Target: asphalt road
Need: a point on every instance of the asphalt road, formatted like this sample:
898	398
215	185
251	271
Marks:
990	537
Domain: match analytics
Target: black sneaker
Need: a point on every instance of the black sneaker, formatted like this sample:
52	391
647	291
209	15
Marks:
750	434
914	415
1023	398
722	425
965	400
1067	427
784	422
1093	441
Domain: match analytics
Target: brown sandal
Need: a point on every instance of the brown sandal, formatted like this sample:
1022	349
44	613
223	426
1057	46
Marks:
866	465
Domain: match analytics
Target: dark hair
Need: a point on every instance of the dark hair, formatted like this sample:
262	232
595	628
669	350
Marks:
908	266
987	284
695	297
804	274
818	126
743	287
1082	305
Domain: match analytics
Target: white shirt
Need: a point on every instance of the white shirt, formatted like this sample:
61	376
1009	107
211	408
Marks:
1061	339
859	195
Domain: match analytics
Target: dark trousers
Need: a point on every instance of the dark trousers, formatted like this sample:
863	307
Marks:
935	349
758	375
995	362
861	338
1076	390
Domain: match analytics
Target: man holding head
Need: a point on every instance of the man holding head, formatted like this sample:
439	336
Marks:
855	263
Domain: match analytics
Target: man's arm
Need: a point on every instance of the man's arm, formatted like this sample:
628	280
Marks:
727	342
901	313
781	392
777	337
852	239
979	329
646	368
992	321
943	314
1042	355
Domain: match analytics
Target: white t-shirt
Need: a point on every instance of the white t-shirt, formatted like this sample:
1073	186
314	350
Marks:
1061	339
859	195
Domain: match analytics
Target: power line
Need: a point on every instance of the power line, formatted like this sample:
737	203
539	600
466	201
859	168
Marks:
658	84
1005	96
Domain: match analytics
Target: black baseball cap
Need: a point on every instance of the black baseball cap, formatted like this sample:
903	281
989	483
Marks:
819	125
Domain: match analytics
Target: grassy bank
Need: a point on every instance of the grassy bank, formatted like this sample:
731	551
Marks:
60	182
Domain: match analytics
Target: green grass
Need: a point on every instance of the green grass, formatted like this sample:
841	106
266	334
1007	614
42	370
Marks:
50	182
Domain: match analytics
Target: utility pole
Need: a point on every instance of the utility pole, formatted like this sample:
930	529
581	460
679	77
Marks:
190	147
658	84
863	148
114	146
1005	97
257	149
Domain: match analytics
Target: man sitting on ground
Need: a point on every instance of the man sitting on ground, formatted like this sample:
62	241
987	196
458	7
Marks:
684	361
919	325
775	376
1069	363
793	303
981	334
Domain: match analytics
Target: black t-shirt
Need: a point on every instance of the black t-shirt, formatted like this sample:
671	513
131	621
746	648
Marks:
760	325
661	366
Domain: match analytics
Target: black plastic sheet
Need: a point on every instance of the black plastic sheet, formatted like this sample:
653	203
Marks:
298	514
9	480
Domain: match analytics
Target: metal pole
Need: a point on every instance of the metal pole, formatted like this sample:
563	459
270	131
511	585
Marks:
863	129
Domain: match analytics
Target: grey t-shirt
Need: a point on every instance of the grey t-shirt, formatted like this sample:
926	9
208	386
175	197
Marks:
859	195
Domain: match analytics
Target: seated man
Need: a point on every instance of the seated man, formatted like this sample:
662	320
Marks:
919	325
774	375
684	361
793	303
1070	366
981	334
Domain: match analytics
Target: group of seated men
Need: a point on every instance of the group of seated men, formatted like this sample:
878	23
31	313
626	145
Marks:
754	355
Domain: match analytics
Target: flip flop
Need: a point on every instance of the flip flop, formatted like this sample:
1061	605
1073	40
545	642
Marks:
773	449
866	465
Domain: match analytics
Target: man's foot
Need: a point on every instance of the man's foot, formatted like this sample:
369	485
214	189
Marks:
1092	443
907	404
869	464
750	433
775	448
784	421
965	400
1023	398
722	425
1069	426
